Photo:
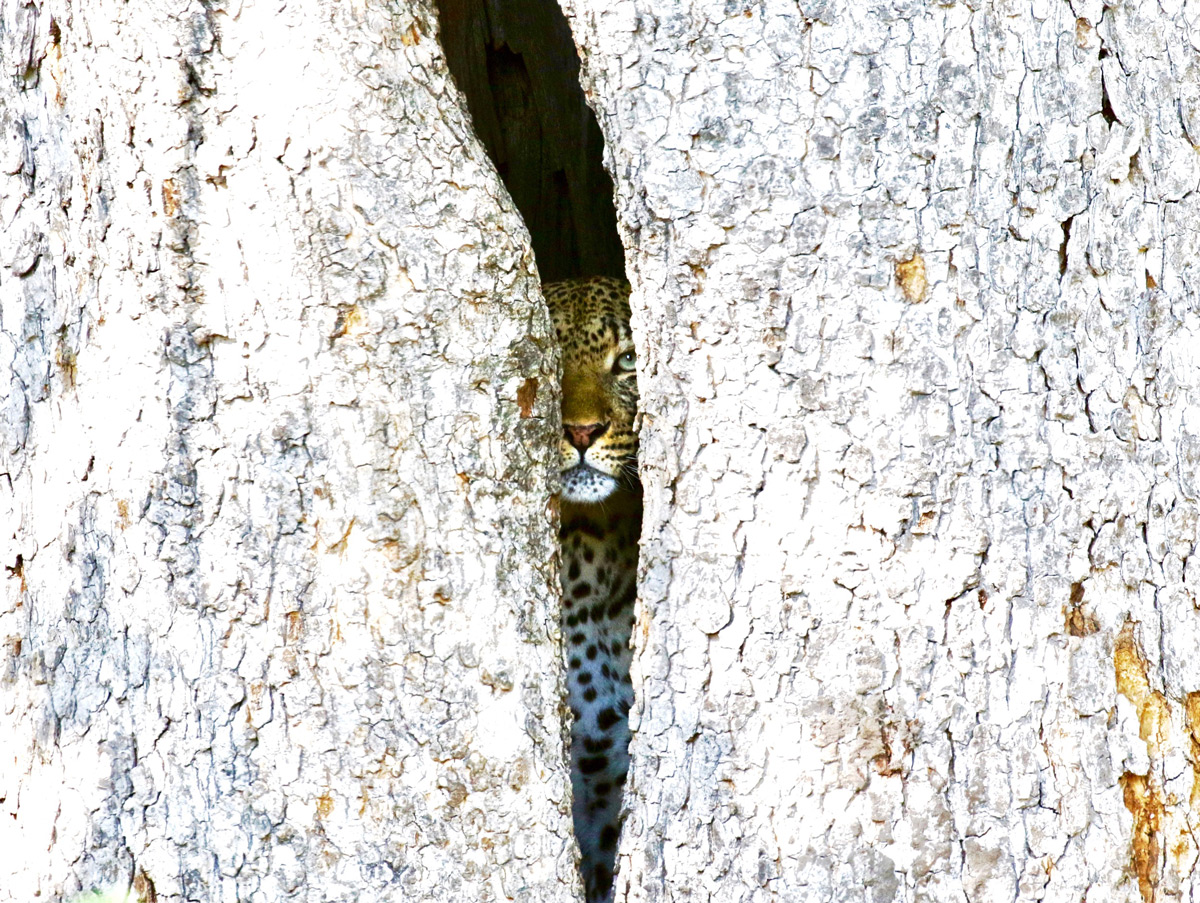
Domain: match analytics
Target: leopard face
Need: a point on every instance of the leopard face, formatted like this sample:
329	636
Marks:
599	444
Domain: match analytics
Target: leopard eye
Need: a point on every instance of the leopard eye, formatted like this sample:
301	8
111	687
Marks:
626	363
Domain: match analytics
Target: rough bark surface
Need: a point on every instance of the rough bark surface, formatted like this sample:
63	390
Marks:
277	420
916	291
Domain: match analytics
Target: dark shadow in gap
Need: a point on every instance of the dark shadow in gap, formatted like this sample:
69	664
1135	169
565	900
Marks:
516	63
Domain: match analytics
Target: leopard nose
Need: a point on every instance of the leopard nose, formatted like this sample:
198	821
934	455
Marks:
582	435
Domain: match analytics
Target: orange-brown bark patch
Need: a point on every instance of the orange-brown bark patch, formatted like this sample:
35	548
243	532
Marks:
1154	713
18	570
1076	621
526	395
170	197
910	276
347	319
1146	806
324	805
1191	713
143	888
1083	33
295	626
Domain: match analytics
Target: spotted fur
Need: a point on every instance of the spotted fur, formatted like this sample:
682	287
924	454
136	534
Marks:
601	520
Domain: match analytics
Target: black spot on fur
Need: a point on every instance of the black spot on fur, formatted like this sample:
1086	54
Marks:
607	718
580	527
602	877
592	764
608	838
584	678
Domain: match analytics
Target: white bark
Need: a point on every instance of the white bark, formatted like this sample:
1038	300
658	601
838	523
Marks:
276	439
915	289
918	322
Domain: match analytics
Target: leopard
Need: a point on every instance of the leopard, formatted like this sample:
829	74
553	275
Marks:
600	505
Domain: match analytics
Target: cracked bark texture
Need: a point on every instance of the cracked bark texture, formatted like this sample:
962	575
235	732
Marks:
277	432
915	288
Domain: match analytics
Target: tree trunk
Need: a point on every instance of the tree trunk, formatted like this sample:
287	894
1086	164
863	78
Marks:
915	291
278	428
914	288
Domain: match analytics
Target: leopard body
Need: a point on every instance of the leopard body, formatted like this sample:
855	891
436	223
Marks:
601	513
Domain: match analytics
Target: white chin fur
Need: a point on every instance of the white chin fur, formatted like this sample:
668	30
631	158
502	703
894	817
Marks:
583	484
